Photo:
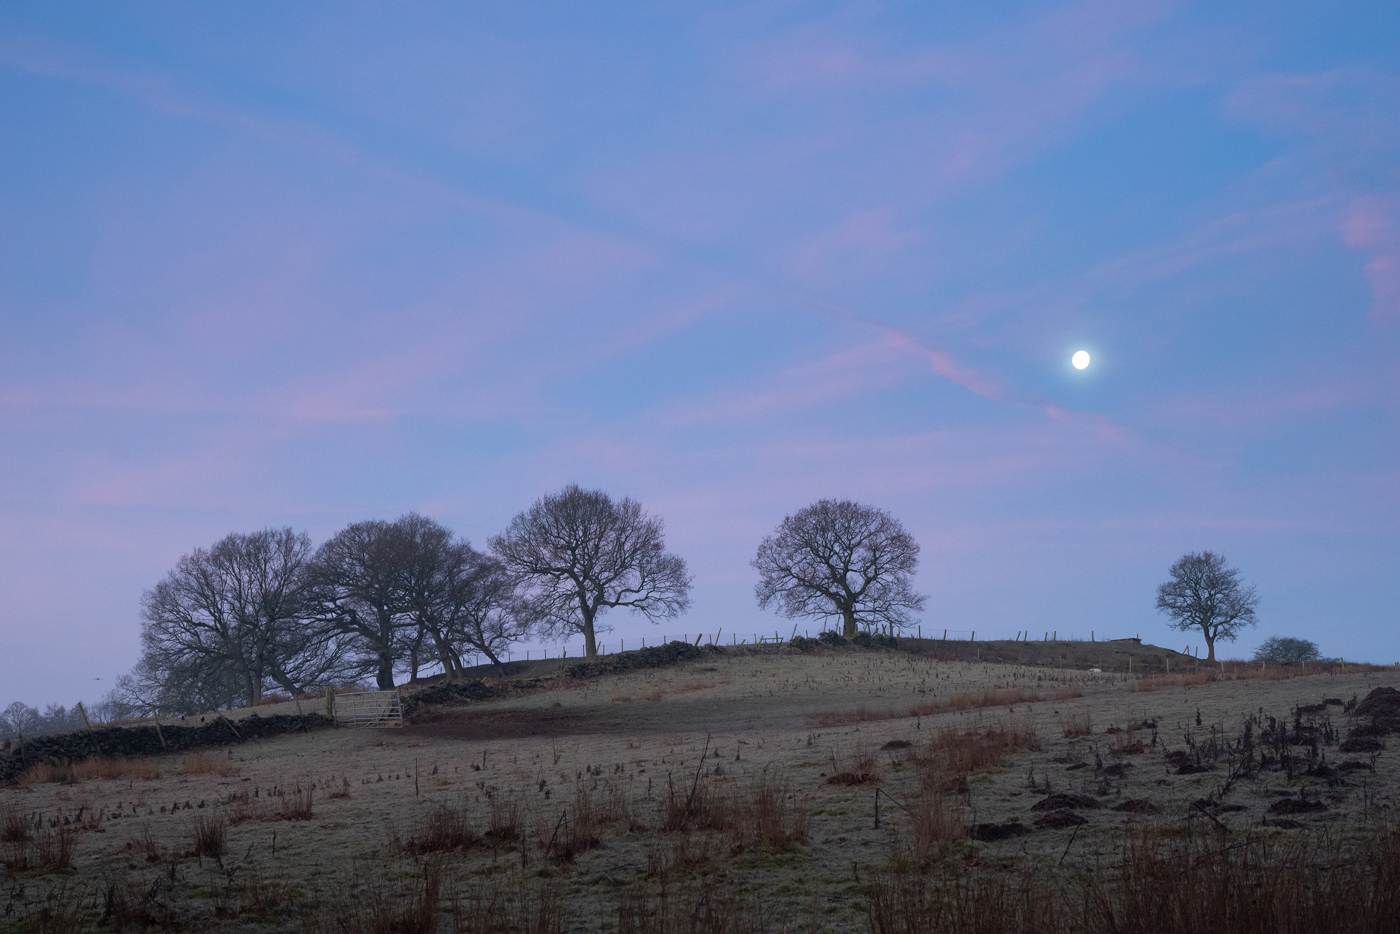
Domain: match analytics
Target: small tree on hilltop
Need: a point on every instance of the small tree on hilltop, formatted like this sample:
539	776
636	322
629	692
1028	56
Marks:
840	559
1287	649
577	554
1206	596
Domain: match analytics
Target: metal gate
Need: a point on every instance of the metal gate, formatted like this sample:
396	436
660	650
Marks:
369	708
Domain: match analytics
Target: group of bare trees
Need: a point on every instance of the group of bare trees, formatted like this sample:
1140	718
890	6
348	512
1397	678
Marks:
267	610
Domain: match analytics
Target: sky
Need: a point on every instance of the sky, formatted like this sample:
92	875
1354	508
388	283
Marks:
268	265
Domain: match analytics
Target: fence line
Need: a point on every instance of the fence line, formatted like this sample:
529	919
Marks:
943	635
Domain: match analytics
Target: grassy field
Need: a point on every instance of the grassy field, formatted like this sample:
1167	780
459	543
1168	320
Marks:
758	789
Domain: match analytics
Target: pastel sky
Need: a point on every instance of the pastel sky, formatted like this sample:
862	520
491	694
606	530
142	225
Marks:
268	264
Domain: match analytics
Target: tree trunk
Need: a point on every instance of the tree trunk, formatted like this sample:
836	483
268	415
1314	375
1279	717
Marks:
385	676
590	641
850	624
1210	647
500	668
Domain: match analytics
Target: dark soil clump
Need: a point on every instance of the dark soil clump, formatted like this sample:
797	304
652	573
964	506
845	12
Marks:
1065	801
1058	820
989	833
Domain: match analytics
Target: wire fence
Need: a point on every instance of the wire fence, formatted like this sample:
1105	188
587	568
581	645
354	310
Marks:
721	637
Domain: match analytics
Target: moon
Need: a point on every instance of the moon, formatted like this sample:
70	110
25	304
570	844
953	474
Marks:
1080	359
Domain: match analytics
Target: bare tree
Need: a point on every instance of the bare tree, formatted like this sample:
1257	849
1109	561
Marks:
459	599
1205	595
840	559
19	719
234	614
486	616
358	590
577	554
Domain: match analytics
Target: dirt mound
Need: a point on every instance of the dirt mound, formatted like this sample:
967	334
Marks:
1057	820
1065	800
1382	707
1381	701
1137	806
1297	806
990	833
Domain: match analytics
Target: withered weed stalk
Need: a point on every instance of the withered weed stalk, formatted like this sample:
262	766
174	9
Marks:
209	837
296	805
513	906
381	908
505	818
709	906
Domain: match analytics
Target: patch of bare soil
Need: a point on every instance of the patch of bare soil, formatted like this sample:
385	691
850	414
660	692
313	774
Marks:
481	725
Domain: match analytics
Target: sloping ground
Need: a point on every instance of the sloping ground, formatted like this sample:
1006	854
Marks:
780	787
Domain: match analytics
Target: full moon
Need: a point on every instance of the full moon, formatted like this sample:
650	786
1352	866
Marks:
1080	359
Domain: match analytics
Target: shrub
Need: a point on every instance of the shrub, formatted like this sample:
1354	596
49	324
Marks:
1287	649
831	637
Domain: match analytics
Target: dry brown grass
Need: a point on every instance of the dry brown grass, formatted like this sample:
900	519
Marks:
765	812
952	754
1161	883
1076	724
202	763
1069	692
101	769
579	827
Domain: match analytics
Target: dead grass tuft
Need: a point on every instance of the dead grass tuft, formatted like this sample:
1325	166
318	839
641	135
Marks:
861	768
446	829
201	763
209	837
952	754
1077	724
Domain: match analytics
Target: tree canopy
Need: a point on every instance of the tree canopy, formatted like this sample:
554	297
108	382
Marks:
840	559
577	554
1286	649
1205	596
